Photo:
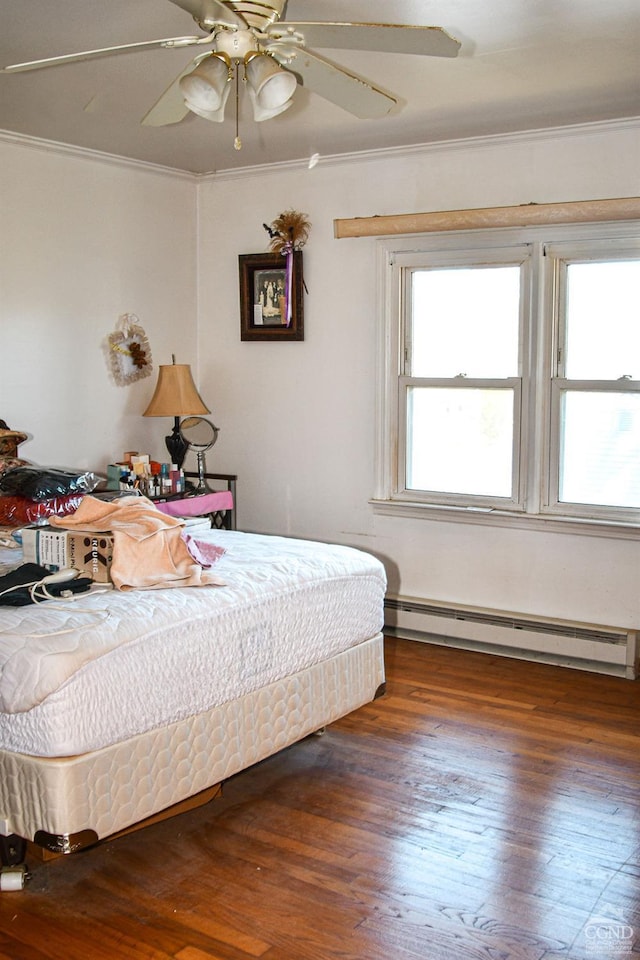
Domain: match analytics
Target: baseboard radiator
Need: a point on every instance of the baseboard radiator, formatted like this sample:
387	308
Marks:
584	646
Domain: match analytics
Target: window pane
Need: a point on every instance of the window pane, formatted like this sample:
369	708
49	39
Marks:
465	320
603	320
600	449
460	440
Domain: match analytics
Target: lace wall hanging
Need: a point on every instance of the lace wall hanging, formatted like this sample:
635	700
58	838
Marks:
129	353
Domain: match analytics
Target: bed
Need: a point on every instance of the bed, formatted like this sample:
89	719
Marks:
123	704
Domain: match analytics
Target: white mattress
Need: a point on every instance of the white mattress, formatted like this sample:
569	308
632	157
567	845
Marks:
164	655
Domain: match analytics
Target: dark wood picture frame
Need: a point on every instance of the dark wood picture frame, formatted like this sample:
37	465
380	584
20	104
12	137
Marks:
262	285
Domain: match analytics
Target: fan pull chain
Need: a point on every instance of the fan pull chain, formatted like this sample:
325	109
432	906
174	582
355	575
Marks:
237	143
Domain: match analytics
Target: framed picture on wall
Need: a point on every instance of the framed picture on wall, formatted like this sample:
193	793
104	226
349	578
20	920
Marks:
271	304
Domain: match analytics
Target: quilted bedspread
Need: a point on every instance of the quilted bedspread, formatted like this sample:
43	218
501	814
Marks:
286	604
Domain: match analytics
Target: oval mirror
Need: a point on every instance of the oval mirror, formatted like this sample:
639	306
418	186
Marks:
201	435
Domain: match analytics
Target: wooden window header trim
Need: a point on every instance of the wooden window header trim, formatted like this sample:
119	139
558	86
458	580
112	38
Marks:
577	211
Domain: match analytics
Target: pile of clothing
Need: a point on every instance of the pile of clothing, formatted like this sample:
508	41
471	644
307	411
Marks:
151	550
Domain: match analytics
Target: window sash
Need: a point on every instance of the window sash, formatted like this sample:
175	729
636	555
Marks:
404	268
559	255
465	363
514	501
560	388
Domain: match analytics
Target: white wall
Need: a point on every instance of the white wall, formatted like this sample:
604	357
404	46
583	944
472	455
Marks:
297	419
82	241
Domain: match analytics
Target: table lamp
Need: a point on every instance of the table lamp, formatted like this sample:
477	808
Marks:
175	396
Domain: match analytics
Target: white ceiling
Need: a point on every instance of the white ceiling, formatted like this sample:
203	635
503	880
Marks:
523	65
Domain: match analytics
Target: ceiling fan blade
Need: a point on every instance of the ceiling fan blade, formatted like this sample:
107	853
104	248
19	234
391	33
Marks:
211	13
104	52
383	37
170	107
347	90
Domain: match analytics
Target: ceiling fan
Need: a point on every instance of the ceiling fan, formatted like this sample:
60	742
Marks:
248	37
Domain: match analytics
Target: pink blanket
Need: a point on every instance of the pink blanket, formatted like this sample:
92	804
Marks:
148	549
197	506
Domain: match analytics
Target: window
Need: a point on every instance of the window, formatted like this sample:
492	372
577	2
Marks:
595	401
511	373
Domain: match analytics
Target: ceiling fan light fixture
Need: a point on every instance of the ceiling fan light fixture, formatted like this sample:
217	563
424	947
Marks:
207	87
274	55
272	88
261	113
216	116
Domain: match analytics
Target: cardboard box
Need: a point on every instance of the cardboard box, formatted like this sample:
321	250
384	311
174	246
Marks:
89	553
44	546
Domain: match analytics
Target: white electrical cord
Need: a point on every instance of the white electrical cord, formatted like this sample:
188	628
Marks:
19	586
39	594
60	576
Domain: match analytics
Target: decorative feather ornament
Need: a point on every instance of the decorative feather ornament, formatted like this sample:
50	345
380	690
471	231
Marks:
129	353
289	231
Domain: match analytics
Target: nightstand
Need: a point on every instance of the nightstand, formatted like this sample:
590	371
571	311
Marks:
219	505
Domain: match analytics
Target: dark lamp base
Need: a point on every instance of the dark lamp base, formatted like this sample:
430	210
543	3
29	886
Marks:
176	445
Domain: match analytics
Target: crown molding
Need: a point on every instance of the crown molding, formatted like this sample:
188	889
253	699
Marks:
489	141
95	156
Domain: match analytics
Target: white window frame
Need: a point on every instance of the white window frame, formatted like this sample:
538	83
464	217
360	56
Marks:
536	502
559	256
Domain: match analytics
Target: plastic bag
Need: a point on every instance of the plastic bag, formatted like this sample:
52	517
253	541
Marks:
16	511
46	483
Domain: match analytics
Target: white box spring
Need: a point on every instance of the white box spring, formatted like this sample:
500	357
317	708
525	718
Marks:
110	789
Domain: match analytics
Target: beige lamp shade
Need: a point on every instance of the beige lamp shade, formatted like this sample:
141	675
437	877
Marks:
175	394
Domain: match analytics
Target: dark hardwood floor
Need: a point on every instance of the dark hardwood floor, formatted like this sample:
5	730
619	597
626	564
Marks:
484	809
